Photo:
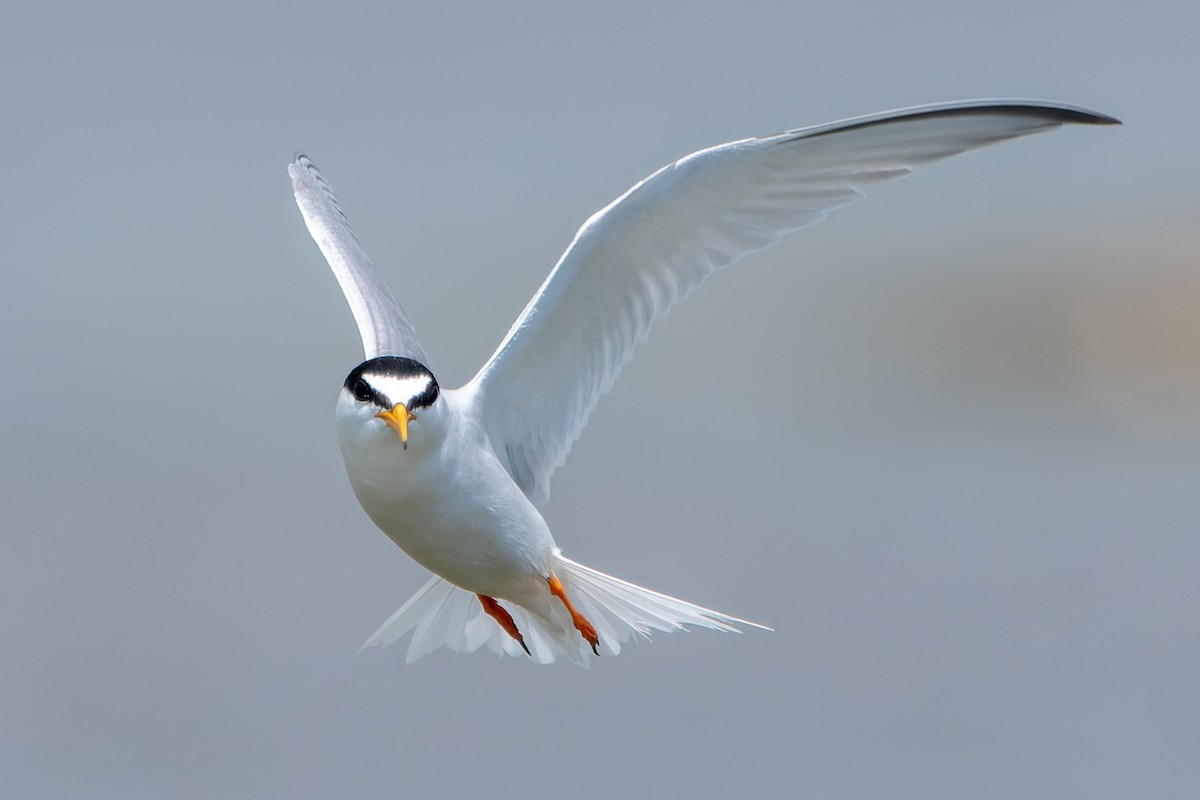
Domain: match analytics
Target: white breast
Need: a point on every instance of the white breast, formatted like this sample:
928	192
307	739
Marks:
446	500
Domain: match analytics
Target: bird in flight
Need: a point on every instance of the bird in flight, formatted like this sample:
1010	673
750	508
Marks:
456	477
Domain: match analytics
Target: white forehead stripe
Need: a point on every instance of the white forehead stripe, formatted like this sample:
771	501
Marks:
399	390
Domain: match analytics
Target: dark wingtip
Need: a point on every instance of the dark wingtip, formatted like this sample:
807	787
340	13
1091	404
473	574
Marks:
1043	109
1051	113
1085	116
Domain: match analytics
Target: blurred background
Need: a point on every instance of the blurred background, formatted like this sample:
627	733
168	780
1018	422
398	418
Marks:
964	490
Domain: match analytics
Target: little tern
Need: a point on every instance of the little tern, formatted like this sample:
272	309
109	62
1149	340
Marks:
456	477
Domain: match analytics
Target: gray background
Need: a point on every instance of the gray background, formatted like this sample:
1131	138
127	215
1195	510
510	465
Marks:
962	483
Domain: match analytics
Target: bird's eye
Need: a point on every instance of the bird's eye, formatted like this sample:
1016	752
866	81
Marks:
362	390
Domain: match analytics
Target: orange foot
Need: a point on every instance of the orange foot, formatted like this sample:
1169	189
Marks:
581	624
497	612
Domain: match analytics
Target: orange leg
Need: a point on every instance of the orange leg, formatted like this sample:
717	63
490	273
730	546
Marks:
497	612
581	624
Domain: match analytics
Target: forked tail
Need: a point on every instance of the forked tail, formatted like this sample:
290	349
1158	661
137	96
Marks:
442	614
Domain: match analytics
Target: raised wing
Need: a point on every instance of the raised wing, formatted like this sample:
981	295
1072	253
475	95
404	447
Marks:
650	248
382	323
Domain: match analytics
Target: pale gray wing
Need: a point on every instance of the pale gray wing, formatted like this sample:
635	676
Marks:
382	323
652	246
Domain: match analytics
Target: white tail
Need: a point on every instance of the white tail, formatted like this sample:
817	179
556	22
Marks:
442	614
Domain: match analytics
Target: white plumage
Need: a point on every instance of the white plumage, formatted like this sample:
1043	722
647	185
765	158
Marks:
462	499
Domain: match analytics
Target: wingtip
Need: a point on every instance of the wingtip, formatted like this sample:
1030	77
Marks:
299	164
1066	113
1048	112
1053	111
305	175
1086	116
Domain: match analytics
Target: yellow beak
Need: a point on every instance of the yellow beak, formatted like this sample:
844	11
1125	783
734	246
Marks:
397	419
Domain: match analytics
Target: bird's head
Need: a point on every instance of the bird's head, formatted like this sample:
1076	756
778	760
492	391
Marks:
395	390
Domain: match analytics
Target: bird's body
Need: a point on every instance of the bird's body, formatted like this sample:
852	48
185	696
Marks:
493	545
456	477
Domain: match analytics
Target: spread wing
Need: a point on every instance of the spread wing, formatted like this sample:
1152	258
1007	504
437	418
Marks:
382	323
650	248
